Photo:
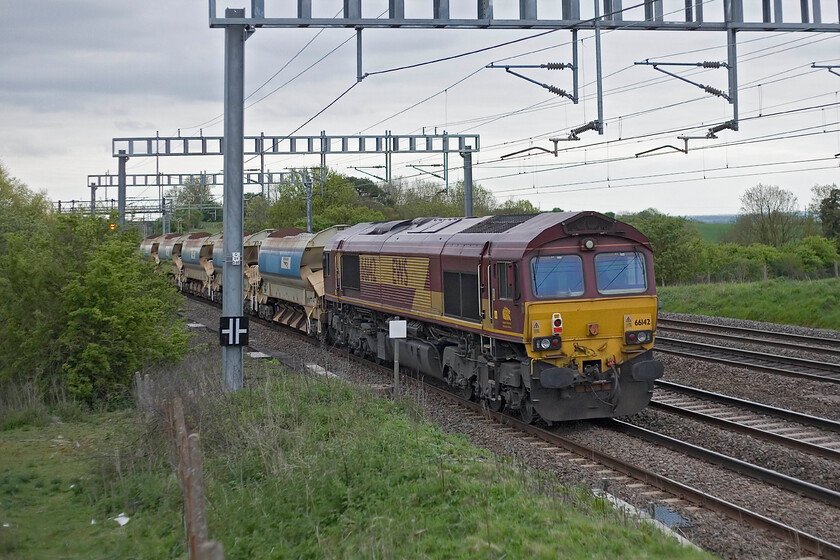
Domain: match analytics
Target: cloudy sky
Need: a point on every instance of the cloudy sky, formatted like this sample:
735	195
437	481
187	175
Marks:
74	75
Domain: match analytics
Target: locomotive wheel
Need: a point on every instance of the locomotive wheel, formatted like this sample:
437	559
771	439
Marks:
527	411
465	392
495	405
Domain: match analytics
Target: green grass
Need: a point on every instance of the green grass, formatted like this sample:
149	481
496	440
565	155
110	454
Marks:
713	233
809	303
299	468
43	495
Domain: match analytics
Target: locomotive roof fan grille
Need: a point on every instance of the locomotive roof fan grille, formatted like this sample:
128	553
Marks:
499	224
588	223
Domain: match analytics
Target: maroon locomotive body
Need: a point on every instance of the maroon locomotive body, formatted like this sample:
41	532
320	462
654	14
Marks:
551	315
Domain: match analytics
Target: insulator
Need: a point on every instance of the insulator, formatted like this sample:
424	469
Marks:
713	91
711	64
557	65
557	91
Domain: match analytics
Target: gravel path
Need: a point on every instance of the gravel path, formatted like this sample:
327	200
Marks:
711	531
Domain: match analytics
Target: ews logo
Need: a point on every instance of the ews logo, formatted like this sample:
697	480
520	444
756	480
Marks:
368	269
400	271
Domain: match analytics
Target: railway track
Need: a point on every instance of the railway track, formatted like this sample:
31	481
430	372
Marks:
706	500
760	361
789	341
591	457
810	434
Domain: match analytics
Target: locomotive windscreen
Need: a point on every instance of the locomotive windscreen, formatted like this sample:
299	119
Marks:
620	273
557	276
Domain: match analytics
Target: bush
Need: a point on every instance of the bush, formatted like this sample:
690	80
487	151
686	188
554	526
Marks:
81	310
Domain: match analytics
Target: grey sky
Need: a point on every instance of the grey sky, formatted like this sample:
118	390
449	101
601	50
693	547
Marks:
73	75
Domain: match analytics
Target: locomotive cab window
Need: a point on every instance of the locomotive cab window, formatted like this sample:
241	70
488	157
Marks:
620	273
460	295
350	277
557	276
506	275
325	263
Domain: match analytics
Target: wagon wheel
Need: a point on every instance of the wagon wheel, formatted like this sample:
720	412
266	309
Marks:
527	411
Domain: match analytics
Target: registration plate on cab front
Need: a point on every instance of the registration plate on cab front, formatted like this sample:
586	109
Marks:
637	322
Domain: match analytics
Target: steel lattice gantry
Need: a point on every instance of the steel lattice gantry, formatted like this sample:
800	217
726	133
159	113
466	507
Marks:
299	13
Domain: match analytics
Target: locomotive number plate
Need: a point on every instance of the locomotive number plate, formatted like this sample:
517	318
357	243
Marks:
637	322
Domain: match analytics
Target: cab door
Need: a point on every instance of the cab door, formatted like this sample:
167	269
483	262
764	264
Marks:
504	292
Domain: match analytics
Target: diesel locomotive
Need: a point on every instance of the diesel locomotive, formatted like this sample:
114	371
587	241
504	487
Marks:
550	315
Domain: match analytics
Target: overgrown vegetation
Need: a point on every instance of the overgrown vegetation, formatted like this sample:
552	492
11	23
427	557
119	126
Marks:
350	200
298	467
81	310
769	240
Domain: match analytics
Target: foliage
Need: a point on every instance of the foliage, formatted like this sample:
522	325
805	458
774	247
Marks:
338	203
81	310
829	212
676	243
21	210
350	200
256	213
770	216
119	318
194	196
512	206
809	303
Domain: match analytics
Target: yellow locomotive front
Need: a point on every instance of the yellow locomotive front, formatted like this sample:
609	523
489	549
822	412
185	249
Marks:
589	319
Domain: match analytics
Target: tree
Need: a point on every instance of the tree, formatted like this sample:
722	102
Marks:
256	213
770	216
829	212
818	193
81	311
120	317
340	202
193	195
21	210
517	207
676	243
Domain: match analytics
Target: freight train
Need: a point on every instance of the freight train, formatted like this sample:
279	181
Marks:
551	316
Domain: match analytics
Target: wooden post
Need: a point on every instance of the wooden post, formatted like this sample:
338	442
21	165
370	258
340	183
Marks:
191	476
180	434
196	514
211	550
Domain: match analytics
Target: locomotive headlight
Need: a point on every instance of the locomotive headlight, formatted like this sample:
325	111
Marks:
587	244
541	344
642	337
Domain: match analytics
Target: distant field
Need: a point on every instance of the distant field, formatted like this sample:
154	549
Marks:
814	303
713	233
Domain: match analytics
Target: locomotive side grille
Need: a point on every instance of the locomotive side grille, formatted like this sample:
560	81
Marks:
499	224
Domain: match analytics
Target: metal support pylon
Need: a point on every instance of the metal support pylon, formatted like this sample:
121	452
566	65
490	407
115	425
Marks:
234	124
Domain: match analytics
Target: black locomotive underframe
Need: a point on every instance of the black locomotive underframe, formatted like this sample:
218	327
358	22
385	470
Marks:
498	372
